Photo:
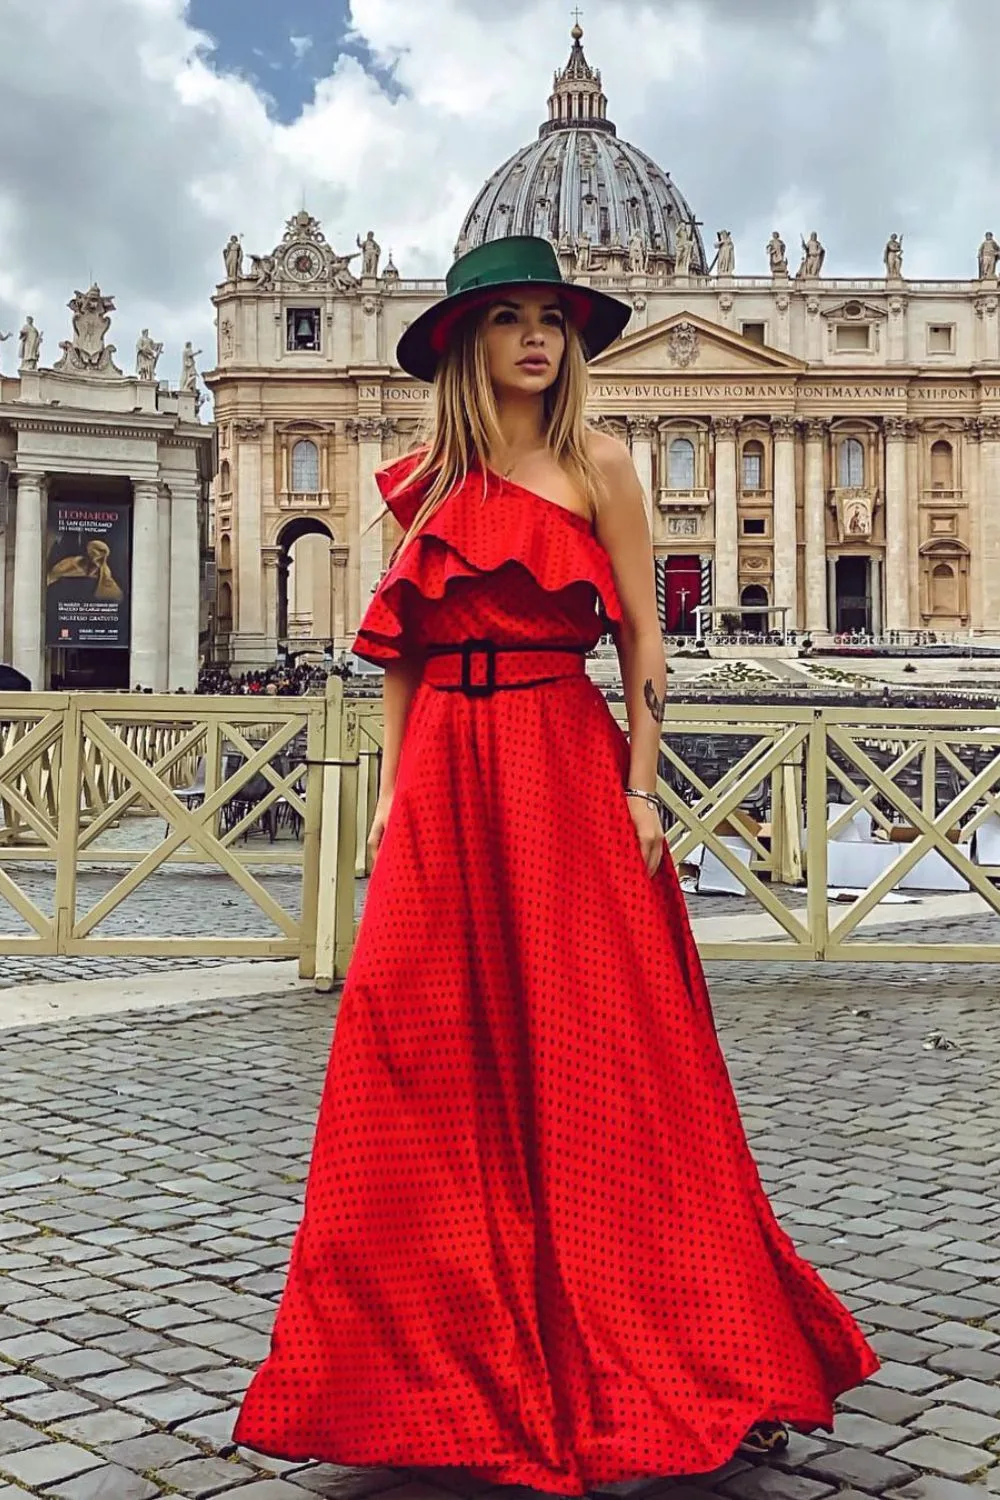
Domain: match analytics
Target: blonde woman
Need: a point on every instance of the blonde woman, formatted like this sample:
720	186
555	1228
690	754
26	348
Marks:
535	1245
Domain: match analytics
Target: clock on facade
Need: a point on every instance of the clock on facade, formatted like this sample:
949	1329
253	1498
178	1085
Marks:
303	262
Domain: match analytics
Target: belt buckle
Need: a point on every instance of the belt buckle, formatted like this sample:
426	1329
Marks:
479	689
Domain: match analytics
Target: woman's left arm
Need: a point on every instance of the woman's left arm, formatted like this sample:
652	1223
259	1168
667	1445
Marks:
623	530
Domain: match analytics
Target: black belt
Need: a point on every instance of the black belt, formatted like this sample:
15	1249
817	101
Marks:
503	668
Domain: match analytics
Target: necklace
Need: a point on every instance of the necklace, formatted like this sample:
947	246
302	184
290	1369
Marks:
508	471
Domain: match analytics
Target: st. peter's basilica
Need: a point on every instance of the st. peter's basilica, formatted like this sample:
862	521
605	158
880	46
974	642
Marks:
827	448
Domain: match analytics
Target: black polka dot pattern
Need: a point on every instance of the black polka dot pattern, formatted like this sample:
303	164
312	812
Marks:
535	1243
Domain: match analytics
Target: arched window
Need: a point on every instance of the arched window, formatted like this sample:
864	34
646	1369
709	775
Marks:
225	552
942	466
305	468
680	465
754	597
753	465
225	608
852	464
225	478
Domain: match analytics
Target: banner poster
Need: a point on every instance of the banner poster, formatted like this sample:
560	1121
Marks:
87	571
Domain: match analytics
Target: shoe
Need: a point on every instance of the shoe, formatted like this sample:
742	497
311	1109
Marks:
765	1438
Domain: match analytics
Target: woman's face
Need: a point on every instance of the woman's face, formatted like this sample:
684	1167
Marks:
525	339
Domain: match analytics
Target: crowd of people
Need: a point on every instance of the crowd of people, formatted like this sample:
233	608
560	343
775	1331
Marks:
283	680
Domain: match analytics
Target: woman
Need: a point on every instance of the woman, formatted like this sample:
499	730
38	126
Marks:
535	1245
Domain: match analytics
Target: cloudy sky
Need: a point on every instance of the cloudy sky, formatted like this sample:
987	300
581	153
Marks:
136	135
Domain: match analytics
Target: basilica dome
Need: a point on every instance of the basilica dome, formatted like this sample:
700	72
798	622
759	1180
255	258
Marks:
602	202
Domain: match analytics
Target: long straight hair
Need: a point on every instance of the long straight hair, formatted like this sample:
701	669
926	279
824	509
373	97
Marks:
465	424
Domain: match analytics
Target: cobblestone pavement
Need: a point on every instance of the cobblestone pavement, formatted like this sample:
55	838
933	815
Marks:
151	1170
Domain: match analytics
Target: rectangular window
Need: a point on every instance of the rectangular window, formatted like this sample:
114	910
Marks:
753	471
853	336
754	526
755	332
940	338
303	324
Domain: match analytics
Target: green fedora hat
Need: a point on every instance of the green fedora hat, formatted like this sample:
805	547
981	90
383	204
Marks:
475	280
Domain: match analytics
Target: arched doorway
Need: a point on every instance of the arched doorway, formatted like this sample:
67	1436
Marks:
307	606
753	600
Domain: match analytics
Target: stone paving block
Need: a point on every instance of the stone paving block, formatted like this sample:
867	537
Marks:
107	1483
771	1484
933	1487
50	1407
335	1482
122	1383
32	1346
279	1489
97	1429
865	1471
912	1378
963	1335
887	1405
904	1348
973	1364
952	1460
960	1424
153	1450
200	1477
176	1404
15	1435
14	1386
48	1463
857	1430
214	1428
79	1362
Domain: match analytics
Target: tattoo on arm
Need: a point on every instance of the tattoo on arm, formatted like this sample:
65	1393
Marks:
657	706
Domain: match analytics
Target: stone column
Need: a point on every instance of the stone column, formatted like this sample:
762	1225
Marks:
972	490
818	618
368	432
785	527
163	683
989	505
248	624
28	593
147	649
727	548
876	596
185	586
270	558
831	592
641	431
338	604
897	611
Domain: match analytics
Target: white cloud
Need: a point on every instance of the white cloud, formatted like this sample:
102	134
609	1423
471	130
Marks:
300	45
127	152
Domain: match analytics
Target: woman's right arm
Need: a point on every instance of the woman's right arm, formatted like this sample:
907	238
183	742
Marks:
399	685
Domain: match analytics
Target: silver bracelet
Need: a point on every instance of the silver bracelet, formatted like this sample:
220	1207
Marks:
652	798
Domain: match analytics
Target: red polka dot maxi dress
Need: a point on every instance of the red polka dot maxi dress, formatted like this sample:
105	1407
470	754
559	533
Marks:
535	1244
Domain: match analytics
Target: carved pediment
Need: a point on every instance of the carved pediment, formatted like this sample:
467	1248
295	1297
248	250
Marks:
685	342
855	311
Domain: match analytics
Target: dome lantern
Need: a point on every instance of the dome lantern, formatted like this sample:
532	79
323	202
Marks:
577	96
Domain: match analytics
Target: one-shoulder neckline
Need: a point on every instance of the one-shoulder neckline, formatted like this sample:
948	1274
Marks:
572	515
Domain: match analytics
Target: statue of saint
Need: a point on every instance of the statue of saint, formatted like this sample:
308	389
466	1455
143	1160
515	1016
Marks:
233	257
29	343
567	254
5	336
582	253
342	277
989	254
637	257
813	256
189	370
684	243
777	255
894	257
726	253
146	355
263	272
371	251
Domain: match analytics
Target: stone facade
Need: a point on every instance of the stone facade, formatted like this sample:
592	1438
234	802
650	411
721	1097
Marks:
82	446
826	448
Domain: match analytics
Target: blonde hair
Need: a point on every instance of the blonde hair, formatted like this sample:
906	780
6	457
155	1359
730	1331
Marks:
465	425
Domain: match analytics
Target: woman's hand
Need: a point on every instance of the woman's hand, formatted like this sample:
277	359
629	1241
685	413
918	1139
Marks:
649	831
383	807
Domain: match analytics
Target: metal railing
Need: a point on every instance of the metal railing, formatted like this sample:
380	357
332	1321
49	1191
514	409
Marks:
765	790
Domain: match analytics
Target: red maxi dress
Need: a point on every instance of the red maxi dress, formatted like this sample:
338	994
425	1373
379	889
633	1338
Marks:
535	1244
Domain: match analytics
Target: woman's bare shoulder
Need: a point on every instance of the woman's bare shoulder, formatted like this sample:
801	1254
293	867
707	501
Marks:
609	453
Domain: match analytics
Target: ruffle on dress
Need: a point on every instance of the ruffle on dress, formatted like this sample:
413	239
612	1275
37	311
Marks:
472	535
